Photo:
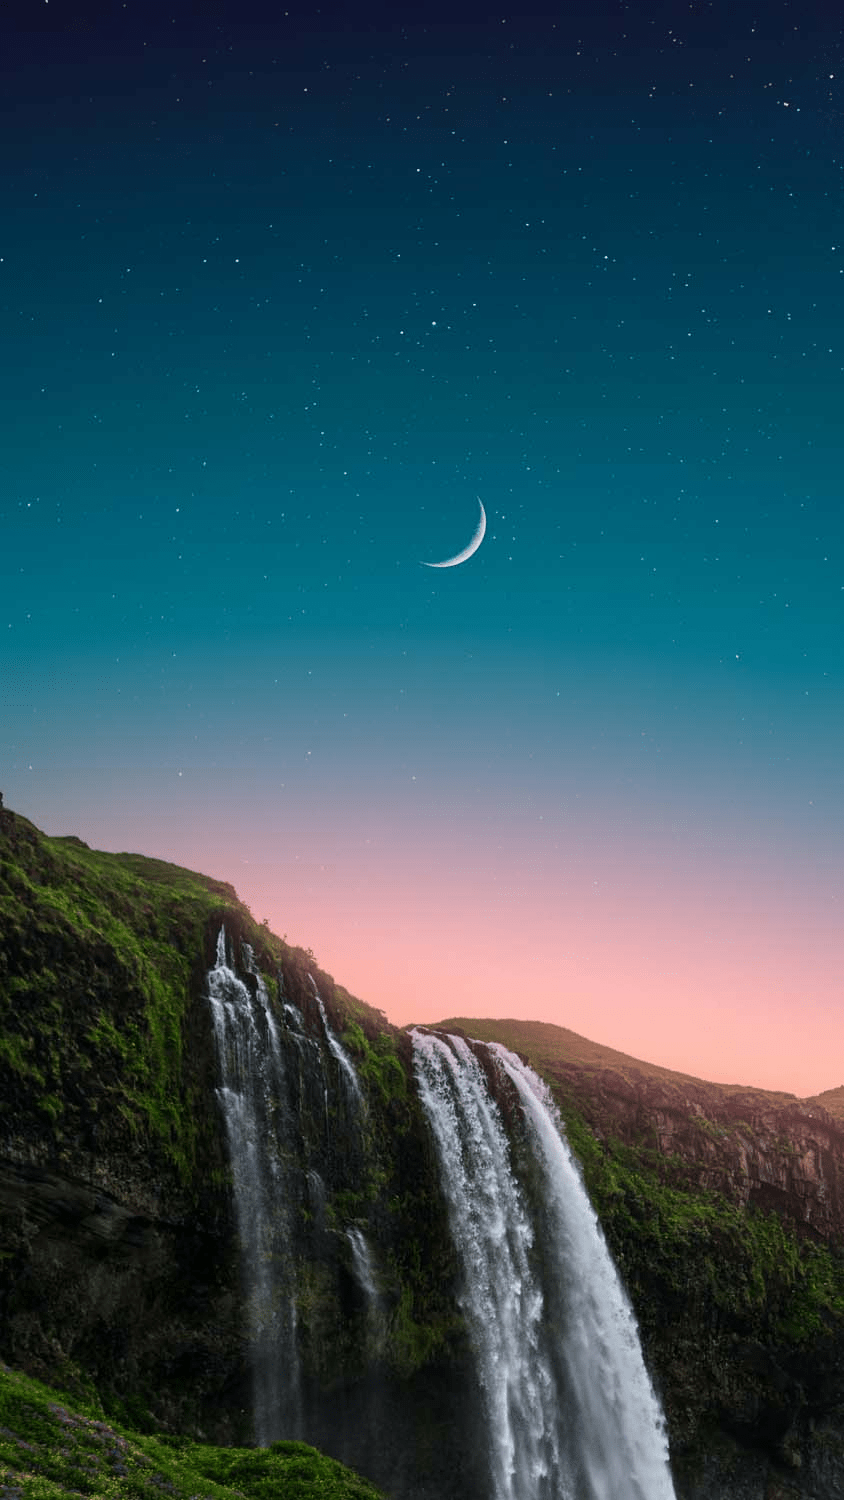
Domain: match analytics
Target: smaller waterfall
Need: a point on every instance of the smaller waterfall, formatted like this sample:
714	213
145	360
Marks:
293	1016
251	1088
363	1263
570	1410
316	1196
364	1268
347	1068
627	1447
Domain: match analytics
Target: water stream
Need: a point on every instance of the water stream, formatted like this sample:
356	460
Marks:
251	1087
570	1410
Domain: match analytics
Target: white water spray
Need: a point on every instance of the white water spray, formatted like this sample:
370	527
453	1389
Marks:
362	1259
571	1412
252	1083
347	1067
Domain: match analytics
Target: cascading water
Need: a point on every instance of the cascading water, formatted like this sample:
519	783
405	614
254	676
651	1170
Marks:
287	1085
366	1277
362	1259
252	1082
338	1051
570	1410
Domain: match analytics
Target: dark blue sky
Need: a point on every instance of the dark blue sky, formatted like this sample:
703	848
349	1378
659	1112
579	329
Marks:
282	290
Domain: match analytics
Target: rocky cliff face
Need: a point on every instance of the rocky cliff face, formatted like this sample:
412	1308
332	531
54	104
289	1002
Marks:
119	1251
763	1152
116	1236
769	1391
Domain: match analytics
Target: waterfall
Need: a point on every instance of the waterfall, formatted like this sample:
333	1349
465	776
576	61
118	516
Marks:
270	1111
252	1083
570	1410
363	1264
362	1258
347	1068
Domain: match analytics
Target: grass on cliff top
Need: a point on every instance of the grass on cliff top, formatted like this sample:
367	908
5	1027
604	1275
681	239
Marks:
72	889
50	1450
126	897
99	893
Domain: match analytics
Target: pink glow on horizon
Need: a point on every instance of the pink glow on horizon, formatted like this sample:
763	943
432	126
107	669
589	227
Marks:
746	993
719	958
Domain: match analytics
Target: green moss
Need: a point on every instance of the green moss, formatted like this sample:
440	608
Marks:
348	1204
15	1053
52	1447
51	1106
377	1061
414	1338
284	1471
123	933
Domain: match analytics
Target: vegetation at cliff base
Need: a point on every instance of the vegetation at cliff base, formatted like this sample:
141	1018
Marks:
50	1449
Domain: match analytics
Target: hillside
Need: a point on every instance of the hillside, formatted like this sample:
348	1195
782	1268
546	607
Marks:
831	1100
555	1048
51	1445
120	1258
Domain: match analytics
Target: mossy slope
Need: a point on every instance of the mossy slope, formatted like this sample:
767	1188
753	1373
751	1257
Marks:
99	957
52	1446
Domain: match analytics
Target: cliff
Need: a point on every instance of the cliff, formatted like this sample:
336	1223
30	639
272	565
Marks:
119	1254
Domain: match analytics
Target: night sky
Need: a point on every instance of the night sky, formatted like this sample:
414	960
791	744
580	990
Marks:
283	291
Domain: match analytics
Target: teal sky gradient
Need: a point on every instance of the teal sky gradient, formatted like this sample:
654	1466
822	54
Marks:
279	298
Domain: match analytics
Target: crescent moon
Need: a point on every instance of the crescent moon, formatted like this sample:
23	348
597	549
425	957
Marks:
460	557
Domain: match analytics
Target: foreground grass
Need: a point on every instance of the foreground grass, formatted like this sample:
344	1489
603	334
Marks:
50	1449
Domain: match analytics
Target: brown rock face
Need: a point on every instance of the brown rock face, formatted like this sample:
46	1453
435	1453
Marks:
759	1150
